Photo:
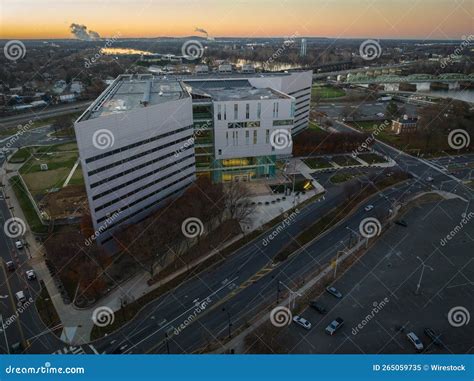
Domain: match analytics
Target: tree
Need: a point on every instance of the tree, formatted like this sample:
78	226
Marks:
392	111
237	201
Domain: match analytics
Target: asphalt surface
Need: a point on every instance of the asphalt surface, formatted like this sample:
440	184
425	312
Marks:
233	284
365	109
387	277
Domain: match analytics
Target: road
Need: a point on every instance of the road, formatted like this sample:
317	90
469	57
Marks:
365	109
38	114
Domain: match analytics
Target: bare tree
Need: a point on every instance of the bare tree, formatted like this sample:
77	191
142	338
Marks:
237	201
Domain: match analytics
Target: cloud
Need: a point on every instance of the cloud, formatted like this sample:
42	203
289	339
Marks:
81	33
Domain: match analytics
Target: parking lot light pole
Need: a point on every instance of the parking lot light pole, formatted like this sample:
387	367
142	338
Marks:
421	275
228	321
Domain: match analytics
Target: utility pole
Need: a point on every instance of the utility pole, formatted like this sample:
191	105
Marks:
421	275
167	343
228	321
5	334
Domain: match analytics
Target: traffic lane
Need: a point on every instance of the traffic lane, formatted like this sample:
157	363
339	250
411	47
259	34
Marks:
364	109
391	270
213	325
192	289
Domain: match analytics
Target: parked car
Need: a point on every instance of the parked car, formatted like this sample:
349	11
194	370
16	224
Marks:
318	307
368	208
334	326
334	292
10	266
433	336
19	244
302	322
20	296
402	223
429	178
30	274
16	348
415	341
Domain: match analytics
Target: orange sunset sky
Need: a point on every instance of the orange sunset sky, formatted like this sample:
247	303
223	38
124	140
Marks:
425	19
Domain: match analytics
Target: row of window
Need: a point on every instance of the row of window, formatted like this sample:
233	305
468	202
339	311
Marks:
154	182
243	124
128	171
284	122
176	192
222	111
299	91
137	144
141	154
111	190
145	197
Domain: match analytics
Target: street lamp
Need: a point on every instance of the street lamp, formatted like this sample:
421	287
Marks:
421	275
228	321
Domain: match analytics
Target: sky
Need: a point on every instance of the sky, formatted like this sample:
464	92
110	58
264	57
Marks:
424	19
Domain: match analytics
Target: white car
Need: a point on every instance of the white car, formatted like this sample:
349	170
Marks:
369	208
19	244
30	274
20	296
415	341
334	326
302	322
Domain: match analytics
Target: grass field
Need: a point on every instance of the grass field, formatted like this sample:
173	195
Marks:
342	177
28	210
59	160
317	163
345	160
327	92
371	158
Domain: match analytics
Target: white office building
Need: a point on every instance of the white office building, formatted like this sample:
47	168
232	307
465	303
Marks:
146	138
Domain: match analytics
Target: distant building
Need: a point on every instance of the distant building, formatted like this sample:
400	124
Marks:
247	69
225	69
201	69
303	49
404	125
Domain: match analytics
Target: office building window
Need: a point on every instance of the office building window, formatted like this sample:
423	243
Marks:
259	110
267	136
219	112
255	137
247	111
292	113
227	138
247	137
236	111
225	112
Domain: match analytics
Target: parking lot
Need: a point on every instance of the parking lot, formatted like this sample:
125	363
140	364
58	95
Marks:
381	304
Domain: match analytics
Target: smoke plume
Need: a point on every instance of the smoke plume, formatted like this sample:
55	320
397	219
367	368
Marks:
81	33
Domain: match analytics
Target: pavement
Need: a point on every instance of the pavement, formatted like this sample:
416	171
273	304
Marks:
388	276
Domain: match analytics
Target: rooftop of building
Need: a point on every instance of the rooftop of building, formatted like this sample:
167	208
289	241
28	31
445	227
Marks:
129	92
231	90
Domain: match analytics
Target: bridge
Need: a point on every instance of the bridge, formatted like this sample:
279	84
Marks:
363	78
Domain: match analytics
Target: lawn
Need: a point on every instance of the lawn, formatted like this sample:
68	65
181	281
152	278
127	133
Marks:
344	160
317	163
21	155
371	158
28	210
59	167
342	177
327	92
